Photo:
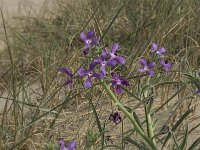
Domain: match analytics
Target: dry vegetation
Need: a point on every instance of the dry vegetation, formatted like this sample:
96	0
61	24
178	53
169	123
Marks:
35	107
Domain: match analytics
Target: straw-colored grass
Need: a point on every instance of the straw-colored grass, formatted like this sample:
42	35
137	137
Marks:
37	109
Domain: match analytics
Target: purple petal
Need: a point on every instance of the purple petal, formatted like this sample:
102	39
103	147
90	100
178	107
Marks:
114	75
154	47
119	89
166	68
95	42
125	82
88	82
150	72
103	69
83	37
98	75
92	65
162	50
115	47
151	65
97	60
87	46
116	116
62	144
71	146
90	35
104	55
67	82
168	65
107	51
71	86
112	62
120	60
113	83
143	62
82	72
85	51
141	70
162	62
66	70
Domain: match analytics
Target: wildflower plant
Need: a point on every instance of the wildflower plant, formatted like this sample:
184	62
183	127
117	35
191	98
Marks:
101	71
158	51
90	40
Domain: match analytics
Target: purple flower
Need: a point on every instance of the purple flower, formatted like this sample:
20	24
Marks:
113	56
117	82
103	62
155	49
89	40
147	67
115	117
90	73
165	65
71	145
69	75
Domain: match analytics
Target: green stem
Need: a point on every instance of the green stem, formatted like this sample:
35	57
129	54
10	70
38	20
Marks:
150	129
149	125
129	115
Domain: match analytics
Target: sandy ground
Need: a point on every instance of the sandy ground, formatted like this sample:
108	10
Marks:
15	8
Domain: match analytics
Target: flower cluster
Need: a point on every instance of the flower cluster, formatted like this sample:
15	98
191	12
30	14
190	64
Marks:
107	59
148	66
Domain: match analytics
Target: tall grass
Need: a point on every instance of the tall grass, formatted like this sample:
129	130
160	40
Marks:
39	110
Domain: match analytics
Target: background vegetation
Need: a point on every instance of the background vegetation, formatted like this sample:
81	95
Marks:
38	109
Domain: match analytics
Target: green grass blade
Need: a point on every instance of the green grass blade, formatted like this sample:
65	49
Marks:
195	144
109	26
175	141
184	142
177	124
97	120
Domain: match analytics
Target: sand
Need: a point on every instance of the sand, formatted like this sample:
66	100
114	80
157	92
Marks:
13	9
